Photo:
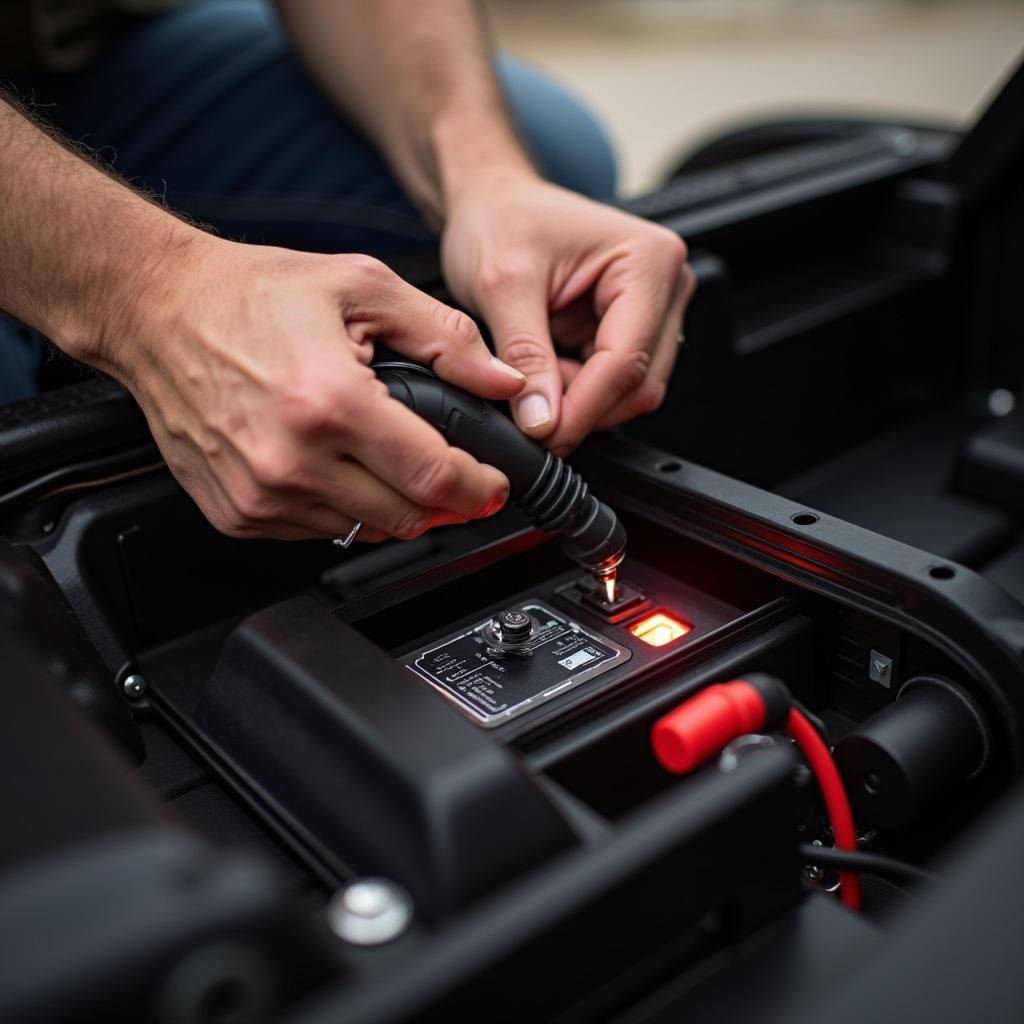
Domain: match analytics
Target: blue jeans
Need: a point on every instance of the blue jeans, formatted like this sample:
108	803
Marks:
208	107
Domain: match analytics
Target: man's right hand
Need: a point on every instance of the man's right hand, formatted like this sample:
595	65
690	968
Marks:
251	365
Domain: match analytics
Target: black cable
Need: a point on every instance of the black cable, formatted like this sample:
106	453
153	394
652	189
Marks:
872	863
815	720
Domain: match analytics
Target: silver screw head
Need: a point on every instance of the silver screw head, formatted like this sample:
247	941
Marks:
1001	402
369	912
134	686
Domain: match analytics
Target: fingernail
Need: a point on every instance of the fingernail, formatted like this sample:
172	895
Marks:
508	369
498	503
533	411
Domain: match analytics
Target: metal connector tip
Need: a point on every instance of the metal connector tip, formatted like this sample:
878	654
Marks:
606	575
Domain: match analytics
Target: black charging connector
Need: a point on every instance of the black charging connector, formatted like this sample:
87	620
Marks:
551	493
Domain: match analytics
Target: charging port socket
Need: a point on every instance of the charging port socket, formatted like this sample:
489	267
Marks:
595	598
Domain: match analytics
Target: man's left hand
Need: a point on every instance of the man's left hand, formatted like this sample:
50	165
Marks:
543	267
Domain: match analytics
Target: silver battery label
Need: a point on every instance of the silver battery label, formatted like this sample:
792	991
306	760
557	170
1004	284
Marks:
492	689
577	659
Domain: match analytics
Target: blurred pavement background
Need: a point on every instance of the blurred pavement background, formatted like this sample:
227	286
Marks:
665	73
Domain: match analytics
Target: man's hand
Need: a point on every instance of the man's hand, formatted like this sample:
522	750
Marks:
542	265
252	371
534	261
250	363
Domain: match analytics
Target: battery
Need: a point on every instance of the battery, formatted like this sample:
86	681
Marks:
492	686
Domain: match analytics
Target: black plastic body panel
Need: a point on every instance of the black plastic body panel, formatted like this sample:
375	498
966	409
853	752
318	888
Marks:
97	872
79	420
593	930
363	759
991	464
977	624
34	608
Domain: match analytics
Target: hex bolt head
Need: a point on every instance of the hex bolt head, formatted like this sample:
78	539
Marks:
369	912
134	686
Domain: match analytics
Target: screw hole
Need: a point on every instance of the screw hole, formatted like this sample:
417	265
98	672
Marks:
669	467
872	783
942	572
804	518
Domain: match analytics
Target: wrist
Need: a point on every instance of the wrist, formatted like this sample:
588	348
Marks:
475	152
133	291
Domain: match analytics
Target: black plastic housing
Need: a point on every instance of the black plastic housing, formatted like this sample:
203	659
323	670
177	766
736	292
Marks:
34	607
914	754
109	909
364	758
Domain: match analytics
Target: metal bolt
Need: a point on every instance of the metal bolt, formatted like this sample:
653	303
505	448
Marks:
514	625
739	748
815	872
134	686
369	912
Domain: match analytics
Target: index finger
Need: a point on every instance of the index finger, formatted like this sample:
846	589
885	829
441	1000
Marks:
627	336
648	397
410	455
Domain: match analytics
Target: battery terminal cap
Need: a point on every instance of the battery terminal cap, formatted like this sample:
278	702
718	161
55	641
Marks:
698	729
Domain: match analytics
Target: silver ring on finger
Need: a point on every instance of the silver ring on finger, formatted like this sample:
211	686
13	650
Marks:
681	337
346	541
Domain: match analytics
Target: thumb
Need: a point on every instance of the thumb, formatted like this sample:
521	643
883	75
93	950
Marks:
447	340
522	338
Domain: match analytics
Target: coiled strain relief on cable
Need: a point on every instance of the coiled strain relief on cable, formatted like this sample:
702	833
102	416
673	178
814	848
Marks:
557	496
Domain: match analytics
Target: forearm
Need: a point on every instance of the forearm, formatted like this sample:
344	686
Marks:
416	77
81	253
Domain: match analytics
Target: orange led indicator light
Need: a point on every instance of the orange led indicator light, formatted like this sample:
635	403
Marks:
659	629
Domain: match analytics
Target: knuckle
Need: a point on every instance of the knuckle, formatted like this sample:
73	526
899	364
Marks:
312	407
459	327
672	247
527	353
434	483
498	278
410	525
368	267
252	504
632	370
274	467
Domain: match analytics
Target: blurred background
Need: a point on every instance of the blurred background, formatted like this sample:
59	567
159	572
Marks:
664	74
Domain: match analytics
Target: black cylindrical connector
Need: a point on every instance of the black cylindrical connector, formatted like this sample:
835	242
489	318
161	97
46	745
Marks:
914	753
551	494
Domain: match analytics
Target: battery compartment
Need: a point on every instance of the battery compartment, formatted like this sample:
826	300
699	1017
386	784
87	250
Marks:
321	746
591	742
